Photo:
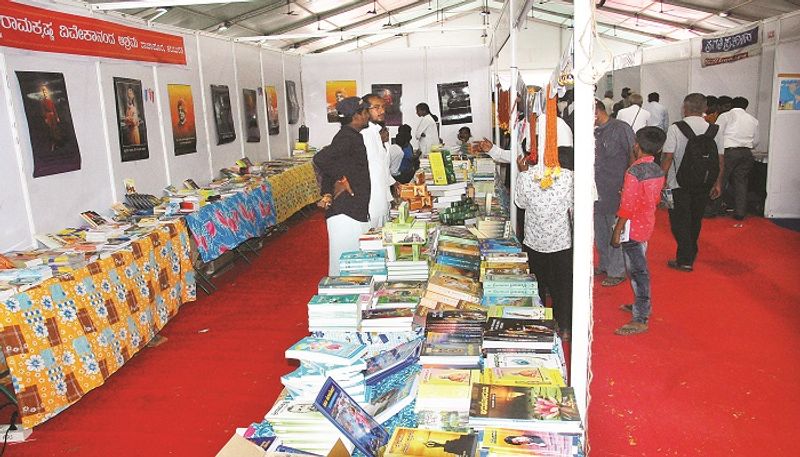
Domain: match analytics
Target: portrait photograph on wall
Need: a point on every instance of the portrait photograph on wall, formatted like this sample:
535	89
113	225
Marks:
391	94
181	110
788	92
294	105
454	103
52	134
336	91
223	115
131	125
273	126
250	116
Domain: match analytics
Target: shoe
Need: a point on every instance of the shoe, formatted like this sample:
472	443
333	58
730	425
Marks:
631	328
612	281
627	308
598	271
677	266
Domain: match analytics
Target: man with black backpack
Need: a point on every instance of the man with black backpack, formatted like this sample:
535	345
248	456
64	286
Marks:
693	166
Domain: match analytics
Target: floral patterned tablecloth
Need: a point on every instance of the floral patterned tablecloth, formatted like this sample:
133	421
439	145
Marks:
67	335
294	189
225	224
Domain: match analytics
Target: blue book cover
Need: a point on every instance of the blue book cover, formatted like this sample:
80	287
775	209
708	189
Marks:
347	299
350	418
326	351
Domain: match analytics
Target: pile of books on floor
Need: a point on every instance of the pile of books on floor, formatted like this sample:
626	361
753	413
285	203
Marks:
405	268
444	195
364	263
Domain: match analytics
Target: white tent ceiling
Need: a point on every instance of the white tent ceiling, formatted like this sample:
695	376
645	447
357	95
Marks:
644	22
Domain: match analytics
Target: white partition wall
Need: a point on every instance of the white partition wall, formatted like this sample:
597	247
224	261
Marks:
218	67
418	70
272	74
57	200
783	181
248	74
195	165
670	80
626	77
292	71
150	174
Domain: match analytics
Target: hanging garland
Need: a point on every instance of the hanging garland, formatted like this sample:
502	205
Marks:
552	168
503	108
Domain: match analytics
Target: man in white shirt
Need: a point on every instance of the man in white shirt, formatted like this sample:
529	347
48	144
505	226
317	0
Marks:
659	116
380	177
426	133
634	115
686	217
740	135
608	101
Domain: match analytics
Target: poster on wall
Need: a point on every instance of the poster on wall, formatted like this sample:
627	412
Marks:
391	94
181	109
454	103
251	116
131	125
53	141
223	115
336	91
789	92
272	110
294	105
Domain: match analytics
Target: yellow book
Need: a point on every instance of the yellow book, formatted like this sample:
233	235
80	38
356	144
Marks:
437	168
411	442
523	377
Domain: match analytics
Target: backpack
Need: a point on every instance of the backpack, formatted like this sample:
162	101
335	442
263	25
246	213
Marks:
700	164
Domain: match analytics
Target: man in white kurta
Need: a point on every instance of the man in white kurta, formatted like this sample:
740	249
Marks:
379	174
426	134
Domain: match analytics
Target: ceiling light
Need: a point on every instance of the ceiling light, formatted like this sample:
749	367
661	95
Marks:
156	3
724	14
224	26
159	12
374	9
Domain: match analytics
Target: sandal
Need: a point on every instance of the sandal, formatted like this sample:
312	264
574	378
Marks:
612	281
627	308
631	328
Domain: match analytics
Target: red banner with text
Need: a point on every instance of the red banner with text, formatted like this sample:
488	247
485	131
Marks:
38	29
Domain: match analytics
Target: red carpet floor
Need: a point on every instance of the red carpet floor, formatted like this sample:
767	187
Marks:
716	376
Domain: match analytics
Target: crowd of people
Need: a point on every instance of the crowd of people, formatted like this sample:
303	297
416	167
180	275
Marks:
696	167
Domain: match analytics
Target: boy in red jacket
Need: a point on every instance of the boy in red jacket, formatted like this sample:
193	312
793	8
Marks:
641	192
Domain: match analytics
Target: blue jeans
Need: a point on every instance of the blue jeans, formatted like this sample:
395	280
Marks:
635	253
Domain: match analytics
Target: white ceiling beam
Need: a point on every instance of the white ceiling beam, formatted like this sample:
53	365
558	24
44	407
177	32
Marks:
157	3
605	24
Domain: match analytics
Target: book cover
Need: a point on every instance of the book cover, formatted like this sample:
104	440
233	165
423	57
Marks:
525	442
351	419
455	285
520	312
325	351
535	330
411	442
346	299
345	282
525	377
523	403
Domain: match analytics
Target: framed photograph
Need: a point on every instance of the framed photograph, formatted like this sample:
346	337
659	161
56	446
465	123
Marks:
181	110
454	103
273	126
223	115
294	105
131	125
251	116
336	91
789	92
52	134
391	95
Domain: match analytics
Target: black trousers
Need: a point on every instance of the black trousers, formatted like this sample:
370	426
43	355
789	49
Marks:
553	272
686	220
738	163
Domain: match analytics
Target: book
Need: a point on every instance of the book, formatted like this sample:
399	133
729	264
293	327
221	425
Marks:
551	409
531	377
455	286
411	442
441	168
342	285
514	442
326	351
519	333
350	418
520	312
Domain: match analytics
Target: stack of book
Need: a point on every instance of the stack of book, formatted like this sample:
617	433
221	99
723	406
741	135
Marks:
532	334
344	285
453	338
413	442
541	409
322	358
494	226
489	246
299	425
405	268
335	312
387	320
441	164
398	294
363	263
443	398
444	195
371	241
510	285
505	263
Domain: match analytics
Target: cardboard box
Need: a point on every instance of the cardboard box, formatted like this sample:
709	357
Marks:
238	446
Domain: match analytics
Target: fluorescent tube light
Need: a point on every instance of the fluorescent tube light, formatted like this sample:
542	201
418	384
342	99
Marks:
156	4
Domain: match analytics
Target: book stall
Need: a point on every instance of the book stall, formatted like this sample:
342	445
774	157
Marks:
433	341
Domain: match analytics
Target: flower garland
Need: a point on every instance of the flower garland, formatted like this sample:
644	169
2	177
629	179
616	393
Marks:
552	168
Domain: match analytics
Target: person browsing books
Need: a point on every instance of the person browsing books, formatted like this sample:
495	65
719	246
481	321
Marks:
427	132
641	192
378	157
345	181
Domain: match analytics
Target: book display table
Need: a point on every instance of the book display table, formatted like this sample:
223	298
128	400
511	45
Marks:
294	189
67	335
225	224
